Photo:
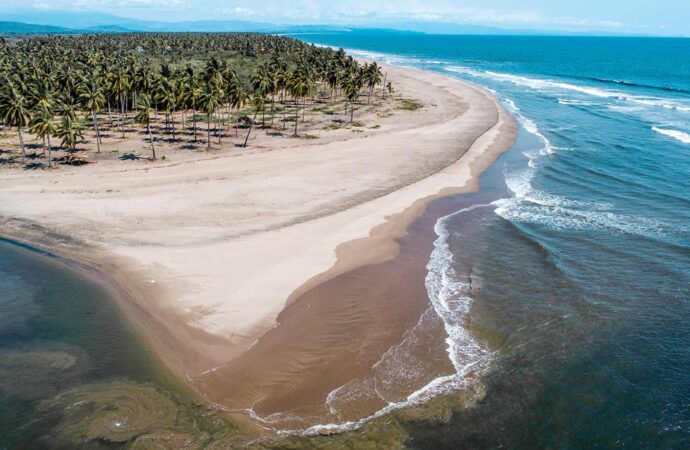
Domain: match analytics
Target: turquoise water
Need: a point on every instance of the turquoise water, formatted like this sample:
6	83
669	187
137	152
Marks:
580	262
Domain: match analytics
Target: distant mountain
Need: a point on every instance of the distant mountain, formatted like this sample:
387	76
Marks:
71	19
25	28
91	23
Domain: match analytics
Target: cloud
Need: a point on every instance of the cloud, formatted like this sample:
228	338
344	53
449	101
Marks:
343	12
237	11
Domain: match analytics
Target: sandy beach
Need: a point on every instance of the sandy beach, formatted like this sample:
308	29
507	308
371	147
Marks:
206	250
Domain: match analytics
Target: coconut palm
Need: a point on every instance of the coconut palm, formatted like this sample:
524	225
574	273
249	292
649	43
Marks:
192	94
259	104
301	85
93	99
143	118
373	78
70	130
262	82
43	125
210	102
167	97
351	89
121	86
15	113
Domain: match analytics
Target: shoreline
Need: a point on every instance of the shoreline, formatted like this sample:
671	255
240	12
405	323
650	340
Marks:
367	235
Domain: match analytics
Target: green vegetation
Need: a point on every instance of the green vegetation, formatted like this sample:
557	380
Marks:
61	86
407	104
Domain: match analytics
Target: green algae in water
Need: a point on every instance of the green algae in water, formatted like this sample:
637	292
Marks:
60	331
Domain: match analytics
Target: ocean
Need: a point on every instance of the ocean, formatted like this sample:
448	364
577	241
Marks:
565	283
576	274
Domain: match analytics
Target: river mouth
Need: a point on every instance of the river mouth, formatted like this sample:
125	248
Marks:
382	345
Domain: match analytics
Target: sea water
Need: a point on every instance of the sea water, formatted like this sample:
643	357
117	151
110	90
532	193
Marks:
567	281
576	274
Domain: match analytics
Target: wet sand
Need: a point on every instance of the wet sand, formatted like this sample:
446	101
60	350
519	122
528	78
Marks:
294	246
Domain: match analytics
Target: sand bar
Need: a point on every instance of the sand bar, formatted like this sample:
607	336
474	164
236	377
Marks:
210	248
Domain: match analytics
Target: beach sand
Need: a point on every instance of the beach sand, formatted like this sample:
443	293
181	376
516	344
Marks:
210	251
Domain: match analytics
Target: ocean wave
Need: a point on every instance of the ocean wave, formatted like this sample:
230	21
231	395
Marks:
543	84
450	302
561	218
530	126
639	85
675	134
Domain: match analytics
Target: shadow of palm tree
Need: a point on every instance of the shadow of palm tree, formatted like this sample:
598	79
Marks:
34	166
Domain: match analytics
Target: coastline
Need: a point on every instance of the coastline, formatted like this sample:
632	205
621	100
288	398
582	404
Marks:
159	273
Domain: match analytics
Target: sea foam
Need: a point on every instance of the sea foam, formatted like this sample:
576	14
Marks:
675	134
546	85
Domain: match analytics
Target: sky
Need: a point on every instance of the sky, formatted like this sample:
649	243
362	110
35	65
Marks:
662	17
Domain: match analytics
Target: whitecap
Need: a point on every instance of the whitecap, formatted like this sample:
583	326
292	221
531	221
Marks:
675	134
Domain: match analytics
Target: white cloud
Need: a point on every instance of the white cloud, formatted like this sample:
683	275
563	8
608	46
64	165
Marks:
344	12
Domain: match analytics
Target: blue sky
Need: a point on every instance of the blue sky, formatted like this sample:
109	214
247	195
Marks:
624	16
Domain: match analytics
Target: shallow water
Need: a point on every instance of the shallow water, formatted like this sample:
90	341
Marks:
59	331
577	275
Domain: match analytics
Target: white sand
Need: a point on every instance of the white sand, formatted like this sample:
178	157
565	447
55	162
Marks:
210	247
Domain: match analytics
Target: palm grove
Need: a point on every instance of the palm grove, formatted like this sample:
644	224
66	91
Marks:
59	88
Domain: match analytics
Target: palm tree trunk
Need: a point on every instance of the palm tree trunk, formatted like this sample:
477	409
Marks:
134	102
122	117
98	134
194	121
250	129
44	146
21	144
110	113
220	130
384	85
172	117
273	104
208	131
153	148
352	112
50	156
296	115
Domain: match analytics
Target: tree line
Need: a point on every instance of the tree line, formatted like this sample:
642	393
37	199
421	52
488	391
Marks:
55	87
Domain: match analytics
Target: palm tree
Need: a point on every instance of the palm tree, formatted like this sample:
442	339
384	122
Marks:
238	97
210	102
192	96
143	117
43	125
167	98
15	113
301	85
352	94
121	86
262	82
70	130
282	82
93	99
259	104
373	78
